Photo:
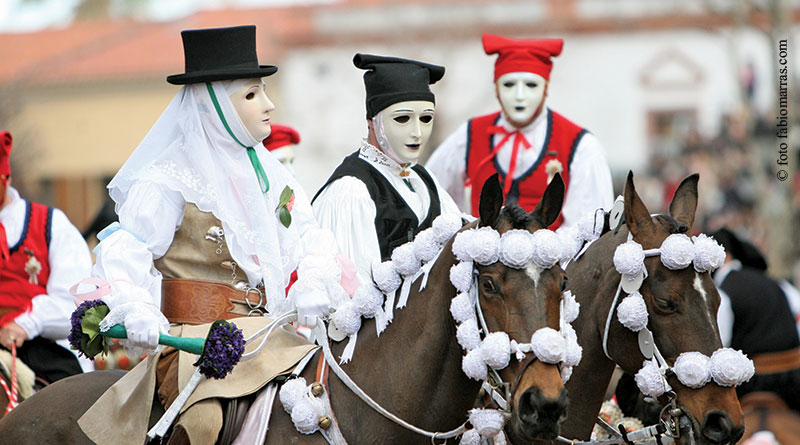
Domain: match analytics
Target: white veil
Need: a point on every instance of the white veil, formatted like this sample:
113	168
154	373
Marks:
189	150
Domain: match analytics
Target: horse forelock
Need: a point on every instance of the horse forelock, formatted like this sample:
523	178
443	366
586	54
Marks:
517	216
670	224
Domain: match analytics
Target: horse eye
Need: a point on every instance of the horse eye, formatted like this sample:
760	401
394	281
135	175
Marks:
564	284
488	285
666	305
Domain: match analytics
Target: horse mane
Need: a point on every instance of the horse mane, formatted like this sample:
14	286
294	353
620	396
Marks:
517	216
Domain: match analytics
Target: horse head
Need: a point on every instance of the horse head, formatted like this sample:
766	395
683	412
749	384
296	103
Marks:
521	301
681	306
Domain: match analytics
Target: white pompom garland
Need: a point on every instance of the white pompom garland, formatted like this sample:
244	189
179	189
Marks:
291	391
468	335
677	251
571	308
547	249
445	226
548	345
368	300
496	350
461	308
473	366
650	380
484	247
632	312
488	422
709	255
347	318
516	248
629	259
730	367
404	260
693	369
386	277
426	246
461	276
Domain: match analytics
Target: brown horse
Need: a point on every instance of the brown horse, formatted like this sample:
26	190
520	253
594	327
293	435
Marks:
413	369
682	307
765	411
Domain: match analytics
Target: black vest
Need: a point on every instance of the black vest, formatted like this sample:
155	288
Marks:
395	222
762	319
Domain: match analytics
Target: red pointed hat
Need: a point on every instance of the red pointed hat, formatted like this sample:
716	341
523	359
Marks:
5	153
522	55
281	135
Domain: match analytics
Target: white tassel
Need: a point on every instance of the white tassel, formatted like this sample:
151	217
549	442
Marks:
347	354
405	290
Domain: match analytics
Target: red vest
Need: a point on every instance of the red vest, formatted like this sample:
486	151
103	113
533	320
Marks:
560	142
16	289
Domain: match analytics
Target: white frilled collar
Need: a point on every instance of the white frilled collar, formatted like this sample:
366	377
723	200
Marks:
371	154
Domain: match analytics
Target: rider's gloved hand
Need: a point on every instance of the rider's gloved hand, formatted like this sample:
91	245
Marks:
143	330
311	300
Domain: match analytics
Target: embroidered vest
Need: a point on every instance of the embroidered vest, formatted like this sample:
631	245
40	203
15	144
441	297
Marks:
395	222
527	190
199	252
18	286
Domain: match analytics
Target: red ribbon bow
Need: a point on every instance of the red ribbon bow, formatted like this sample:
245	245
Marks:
519	139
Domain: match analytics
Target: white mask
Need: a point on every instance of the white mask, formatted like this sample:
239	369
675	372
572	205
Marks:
253	107
521	94
403	129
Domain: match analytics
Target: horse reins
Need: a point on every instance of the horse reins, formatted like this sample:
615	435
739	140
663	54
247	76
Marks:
13	392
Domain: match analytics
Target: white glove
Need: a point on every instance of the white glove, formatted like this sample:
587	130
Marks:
143	330
311	300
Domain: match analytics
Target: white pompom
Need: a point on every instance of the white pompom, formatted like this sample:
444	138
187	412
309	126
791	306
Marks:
708	254
548	345
547	249
649	380
347	318
574	352
516	248
571	242
470	437
677	251
386	277
404	260
368	300
462	243
338	295
571	307
730	367
632	312
321	267
305	417
484	246
425	245
468	335
590	226
693	369
473	366
461	308
496	350
291	391
445	226
488	422
629	258
566	373
461	276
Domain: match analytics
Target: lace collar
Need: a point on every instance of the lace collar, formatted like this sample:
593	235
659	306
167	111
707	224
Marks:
371	154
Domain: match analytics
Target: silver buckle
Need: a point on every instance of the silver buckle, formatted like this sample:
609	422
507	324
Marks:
258	308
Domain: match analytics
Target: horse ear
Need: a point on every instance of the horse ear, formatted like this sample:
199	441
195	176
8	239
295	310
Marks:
491	201
550	205
684	202
637	217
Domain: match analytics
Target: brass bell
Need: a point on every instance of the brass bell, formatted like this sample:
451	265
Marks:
317	389
324	422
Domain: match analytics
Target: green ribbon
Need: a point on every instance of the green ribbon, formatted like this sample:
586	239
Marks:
263	182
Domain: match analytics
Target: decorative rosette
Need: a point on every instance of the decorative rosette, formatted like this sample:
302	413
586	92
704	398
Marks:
488	422
571	242
367	300
468	335
386	277
347	318
290	393
496	350
426	246
571	308
461	276
677	251
461	308
462	245
590	226
693	369
709	255
650	380
730	367
632	312
629	259
404	260
445	226
547	249
473	366
548	345
516	248
484	246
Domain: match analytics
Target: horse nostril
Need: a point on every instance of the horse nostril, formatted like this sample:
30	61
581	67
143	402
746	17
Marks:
717	427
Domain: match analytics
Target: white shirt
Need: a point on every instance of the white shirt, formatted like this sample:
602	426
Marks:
589	187
69	261
346	208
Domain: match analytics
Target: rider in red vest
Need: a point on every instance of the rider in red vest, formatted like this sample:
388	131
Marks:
526	142
41	255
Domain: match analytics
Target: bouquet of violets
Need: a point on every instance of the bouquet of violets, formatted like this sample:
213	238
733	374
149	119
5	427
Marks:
219	352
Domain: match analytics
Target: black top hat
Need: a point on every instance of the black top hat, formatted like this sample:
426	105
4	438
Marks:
390	80
220	54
